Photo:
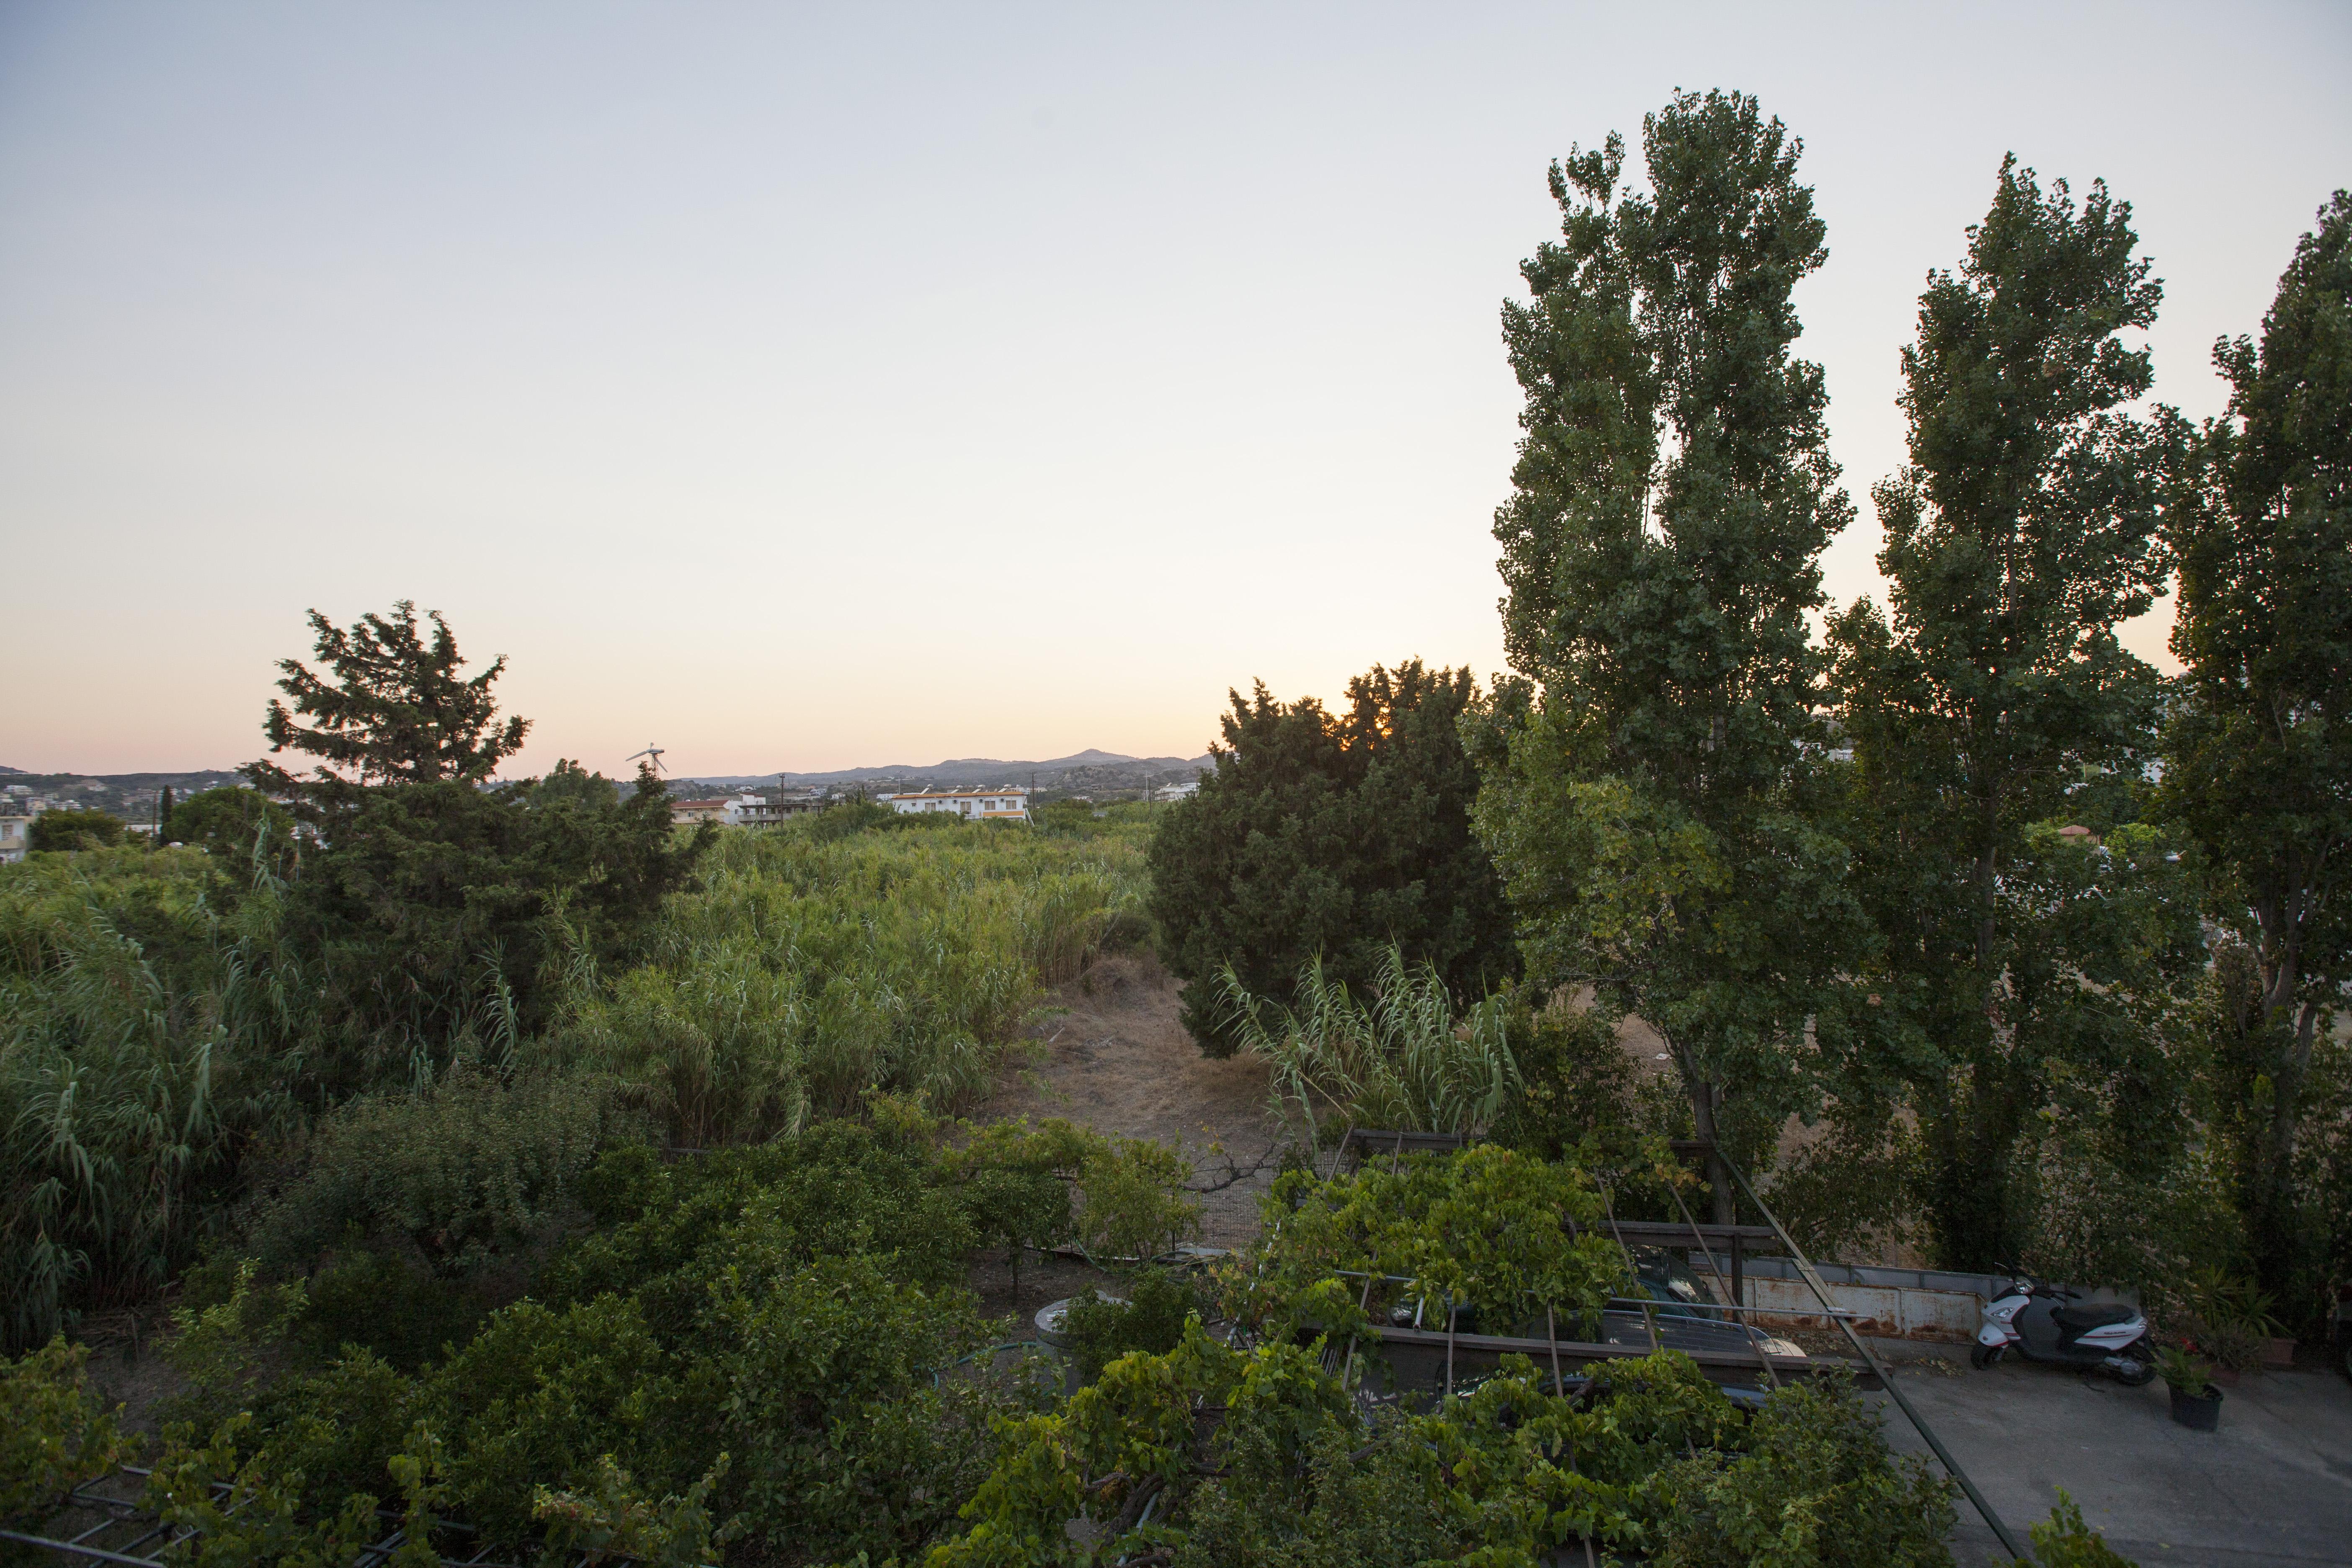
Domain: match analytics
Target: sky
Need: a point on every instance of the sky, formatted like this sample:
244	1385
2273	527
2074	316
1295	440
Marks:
808	387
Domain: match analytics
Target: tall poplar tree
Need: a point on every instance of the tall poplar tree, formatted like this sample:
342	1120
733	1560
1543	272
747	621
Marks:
2259	749
1992	687
1648	785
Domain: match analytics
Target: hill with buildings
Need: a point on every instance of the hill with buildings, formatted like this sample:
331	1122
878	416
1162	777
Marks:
1107	775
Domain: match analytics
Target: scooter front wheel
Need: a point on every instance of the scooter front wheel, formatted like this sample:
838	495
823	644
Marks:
1982	1356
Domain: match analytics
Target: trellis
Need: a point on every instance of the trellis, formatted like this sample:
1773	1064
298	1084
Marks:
1360	1143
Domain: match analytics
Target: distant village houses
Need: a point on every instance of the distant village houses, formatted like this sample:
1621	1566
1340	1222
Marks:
749	808
1005	805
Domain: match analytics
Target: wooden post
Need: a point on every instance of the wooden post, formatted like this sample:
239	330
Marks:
1738	1286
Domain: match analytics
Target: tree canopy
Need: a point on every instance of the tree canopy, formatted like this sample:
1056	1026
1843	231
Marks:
1646	793
2259	744
391	709
2018	537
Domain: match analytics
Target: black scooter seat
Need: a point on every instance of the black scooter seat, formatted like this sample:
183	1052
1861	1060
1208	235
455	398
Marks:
2081	1318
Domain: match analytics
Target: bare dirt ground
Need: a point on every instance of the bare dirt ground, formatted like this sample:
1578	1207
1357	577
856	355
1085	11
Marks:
1110	1055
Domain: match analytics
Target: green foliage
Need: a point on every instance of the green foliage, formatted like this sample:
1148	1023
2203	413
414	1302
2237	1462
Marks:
837	1188
1330	836
811	968
63	828
2229	1319
796	1305
1403	1059
1120	1199
444	917
2183	1369
1815	1484
2064	1540
1653	791
1501	1233
615	1520
410	1216
471	1169
394	710
2258	744
1575	1081
1253	1454
144	1035
228	824
57	1434
1994	693
220	1350
1102	1328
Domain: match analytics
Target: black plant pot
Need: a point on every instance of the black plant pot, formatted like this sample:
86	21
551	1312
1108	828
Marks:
2197	1415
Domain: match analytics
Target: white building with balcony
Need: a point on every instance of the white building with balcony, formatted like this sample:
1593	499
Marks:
1006	805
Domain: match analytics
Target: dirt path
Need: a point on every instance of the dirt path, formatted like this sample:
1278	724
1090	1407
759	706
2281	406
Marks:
1113	1057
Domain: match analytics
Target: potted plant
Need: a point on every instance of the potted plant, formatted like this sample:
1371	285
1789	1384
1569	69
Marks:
2195	1403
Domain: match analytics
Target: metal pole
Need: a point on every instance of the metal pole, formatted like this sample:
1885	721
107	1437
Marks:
1885	1378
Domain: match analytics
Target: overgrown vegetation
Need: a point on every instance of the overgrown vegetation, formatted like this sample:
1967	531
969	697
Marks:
1332	837
1259	1451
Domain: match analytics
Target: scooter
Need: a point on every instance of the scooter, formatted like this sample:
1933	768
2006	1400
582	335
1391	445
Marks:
2044	1323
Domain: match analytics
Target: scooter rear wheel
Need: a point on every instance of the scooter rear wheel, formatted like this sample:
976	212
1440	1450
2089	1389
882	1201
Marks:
2139	1378
1982	1356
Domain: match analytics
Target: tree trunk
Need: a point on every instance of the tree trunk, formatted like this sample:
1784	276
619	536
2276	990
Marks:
1703	1101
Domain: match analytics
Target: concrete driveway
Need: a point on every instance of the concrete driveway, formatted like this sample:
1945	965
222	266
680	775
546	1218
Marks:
2273	1485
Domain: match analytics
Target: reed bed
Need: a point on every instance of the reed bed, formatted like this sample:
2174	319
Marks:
155	1023
806	972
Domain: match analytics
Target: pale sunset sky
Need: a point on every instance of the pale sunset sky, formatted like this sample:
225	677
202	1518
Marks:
808	386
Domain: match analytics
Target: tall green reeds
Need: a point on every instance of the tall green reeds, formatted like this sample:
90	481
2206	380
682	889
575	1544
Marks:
809	970
1403	1057
141	1034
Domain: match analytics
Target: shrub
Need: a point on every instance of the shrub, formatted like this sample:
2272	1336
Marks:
57	1434
1333	836
471	1169
2064	1540
1814	1485
66	829
1151	1319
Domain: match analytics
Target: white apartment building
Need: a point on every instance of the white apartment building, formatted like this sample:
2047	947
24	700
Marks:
751	810
1006	805
15	838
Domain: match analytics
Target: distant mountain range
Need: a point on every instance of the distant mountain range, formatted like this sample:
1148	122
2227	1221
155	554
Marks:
1090	769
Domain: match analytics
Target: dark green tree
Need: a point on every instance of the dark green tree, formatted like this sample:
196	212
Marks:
391	709
447	919
223	822
444	913
163	815
1992	687
68	828
2258	753
1650	790
1334	833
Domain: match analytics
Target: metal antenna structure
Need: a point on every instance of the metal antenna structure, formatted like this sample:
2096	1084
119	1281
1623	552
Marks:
653	755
